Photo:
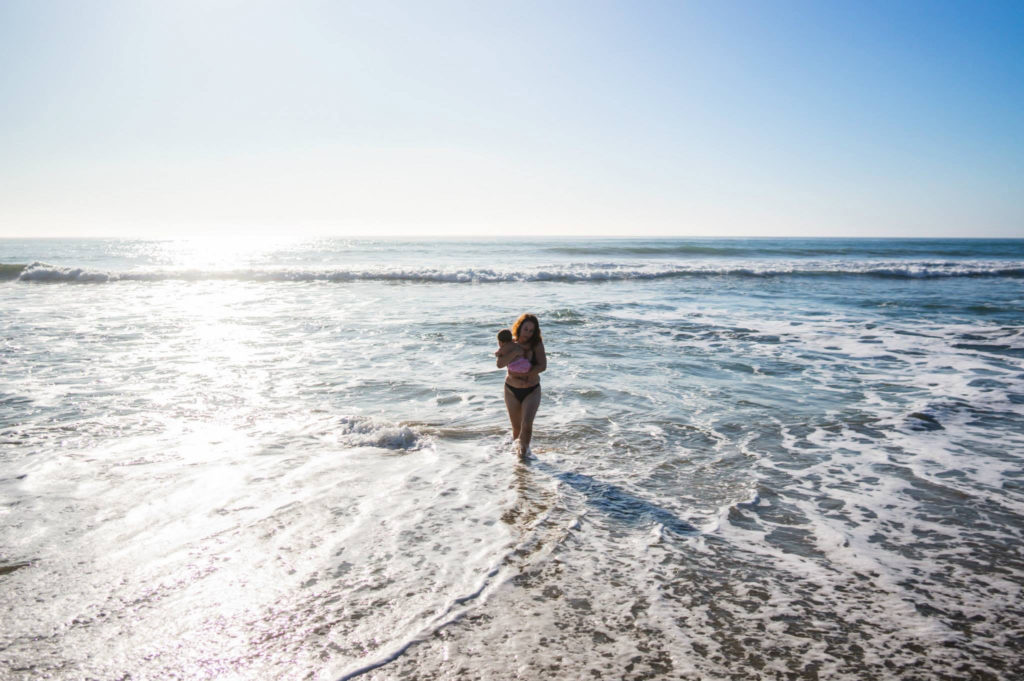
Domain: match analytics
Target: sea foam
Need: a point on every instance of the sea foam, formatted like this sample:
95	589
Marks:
574	272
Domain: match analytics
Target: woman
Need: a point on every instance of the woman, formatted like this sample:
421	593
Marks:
522	390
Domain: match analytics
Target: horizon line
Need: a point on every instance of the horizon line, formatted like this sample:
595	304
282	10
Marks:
463	237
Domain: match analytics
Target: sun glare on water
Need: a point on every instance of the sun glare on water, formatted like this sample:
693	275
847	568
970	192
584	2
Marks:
222	252
217	339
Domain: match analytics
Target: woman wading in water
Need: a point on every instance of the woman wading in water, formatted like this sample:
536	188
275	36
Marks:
522	390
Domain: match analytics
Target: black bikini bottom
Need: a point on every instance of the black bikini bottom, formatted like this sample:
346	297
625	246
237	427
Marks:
521	393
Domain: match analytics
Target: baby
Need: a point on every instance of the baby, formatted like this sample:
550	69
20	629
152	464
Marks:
508	348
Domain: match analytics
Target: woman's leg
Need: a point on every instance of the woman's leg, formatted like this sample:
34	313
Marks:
529	411
515	412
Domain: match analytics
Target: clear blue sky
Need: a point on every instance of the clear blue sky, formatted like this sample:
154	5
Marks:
484	118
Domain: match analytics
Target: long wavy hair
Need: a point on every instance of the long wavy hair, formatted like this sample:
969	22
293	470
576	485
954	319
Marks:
527	317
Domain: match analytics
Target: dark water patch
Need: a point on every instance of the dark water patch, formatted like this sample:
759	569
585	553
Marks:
830	504
701	370
991	349
8	568
811	357
911	353
867	431
983	418
772	507
755	405
766	339
772	366
768	441
888	388
694	438
921	421
987	383
795	540
800	461
743	520
616	503
942	504
737	367
985	309
11	271
904	332
995	449
889	359
671	469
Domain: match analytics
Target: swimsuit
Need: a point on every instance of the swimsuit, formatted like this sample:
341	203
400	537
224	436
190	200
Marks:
520	366
521	393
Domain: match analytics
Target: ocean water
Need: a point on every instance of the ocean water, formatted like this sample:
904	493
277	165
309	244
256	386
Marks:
754	459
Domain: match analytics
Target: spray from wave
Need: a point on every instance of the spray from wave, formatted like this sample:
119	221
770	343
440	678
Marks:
363	431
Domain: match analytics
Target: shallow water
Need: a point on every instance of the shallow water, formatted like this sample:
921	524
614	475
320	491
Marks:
753	459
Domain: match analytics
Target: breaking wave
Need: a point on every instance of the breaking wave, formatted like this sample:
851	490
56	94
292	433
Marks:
579	272
361	431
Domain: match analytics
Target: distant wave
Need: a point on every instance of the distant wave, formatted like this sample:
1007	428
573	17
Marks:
795	248
585	272
666	250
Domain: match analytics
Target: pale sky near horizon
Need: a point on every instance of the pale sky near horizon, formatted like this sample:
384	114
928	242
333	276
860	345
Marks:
145	118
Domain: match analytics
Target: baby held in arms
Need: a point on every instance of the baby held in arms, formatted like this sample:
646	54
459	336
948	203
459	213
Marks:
509	349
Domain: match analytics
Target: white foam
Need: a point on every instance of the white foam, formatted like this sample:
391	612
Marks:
574	272
362	431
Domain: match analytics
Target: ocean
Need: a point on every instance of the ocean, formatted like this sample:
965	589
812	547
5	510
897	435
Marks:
290	459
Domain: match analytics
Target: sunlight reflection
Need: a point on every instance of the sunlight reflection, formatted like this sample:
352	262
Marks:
223	349
220	252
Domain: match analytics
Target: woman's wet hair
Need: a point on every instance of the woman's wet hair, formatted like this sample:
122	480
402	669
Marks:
527	317
504	336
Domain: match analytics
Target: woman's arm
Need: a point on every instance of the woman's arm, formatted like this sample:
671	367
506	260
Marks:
540	360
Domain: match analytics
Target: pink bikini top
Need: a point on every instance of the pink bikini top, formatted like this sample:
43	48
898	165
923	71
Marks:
519	366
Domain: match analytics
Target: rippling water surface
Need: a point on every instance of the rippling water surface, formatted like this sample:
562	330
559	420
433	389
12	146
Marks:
276	460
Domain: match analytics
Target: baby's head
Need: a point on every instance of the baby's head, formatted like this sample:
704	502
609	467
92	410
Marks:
504	336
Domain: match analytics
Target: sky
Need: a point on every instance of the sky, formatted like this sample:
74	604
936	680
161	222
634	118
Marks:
501	119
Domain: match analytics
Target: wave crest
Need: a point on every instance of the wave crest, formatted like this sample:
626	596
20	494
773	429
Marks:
579	272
